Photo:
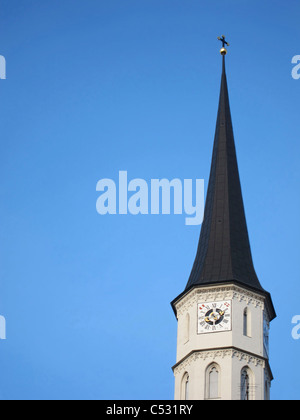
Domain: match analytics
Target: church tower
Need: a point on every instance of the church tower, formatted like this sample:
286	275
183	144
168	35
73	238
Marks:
224	313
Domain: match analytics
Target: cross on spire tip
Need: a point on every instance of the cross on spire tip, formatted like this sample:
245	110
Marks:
223	50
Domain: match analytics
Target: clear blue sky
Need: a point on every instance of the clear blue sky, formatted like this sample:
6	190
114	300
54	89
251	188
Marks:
95	87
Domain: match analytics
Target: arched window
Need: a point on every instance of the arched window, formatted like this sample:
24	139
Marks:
267	386
186	328
267	390
247	322
213	381
185	385
246	384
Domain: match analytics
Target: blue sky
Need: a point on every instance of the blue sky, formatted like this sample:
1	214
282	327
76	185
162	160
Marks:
94	88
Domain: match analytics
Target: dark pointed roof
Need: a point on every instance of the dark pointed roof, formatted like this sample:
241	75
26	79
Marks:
224	249
224	253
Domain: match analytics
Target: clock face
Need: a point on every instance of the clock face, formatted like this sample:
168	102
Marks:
214	316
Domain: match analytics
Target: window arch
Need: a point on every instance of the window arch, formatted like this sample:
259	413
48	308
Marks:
247	322
186	328
213	375
185	386
247	384
267	386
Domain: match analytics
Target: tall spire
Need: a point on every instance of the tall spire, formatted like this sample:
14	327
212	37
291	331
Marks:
223	303
224	253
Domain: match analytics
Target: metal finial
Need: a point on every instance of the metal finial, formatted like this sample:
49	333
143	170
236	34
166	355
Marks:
223	50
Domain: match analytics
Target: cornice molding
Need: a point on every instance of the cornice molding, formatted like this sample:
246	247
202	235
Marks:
213	354
221	292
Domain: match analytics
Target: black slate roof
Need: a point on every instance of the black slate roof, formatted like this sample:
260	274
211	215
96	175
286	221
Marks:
224	253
